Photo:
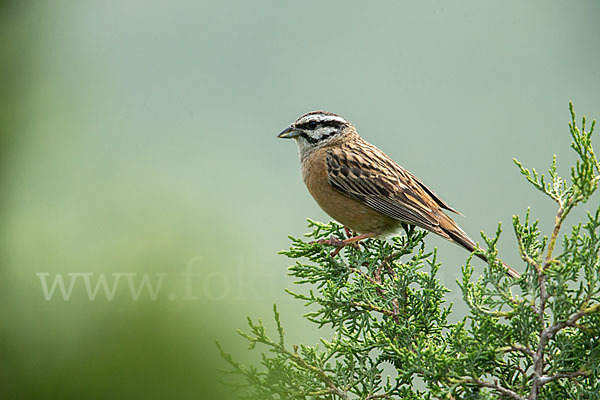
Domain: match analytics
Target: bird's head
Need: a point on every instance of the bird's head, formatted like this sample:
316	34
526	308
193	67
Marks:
316	129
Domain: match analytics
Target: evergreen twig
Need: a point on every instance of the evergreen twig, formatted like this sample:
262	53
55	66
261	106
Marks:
536	337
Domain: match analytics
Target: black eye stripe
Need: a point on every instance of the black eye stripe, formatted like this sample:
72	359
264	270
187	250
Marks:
310	125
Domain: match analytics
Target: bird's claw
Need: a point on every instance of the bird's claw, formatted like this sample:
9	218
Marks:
332	241
335	242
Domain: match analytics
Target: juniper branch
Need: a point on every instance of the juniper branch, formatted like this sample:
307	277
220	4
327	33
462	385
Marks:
561	375
498	388
531	338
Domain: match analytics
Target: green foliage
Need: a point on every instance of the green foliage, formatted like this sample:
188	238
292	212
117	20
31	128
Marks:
536	337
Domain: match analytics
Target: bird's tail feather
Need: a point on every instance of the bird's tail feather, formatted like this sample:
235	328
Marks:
460	237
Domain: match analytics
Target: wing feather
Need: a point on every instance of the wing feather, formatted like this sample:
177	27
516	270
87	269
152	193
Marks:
383	185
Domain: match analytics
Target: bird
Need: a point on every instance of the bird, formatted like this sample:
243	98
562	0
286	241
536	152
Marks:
362	188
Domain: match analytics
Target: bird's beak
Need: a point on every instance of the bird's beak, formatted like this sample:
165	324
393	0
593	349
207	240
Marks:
289	133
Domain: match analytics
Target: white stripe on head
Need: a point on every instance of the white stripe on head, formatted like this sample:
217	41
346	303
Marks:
320	117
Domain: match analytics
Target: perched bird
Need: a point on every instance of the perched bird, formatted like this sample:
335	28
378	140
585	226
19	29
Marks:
359	186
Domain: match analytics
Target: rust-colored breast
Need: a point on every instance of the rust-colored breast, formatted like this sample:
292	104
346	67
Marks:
350	212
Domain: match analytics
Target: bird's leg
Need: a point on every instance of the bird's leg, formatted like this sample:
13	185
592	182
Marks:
358	238
340	244
349	235
348	232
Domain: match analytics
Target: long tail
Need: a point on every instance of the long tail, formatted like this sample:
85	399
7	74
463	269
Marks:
458	236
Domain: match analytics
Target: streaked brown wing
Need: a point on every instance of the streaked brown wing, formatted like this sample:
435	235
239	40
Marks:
431	193
383	185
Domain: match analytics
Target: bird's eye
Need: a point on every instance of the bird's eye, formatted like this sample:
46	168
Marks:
312	125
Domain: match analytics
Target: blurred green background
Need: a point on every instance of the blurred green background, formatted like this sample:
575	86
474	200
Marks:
139	137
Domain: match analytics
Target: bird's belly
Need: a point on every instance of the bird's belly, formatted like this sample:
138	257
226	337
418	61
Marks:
351	213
